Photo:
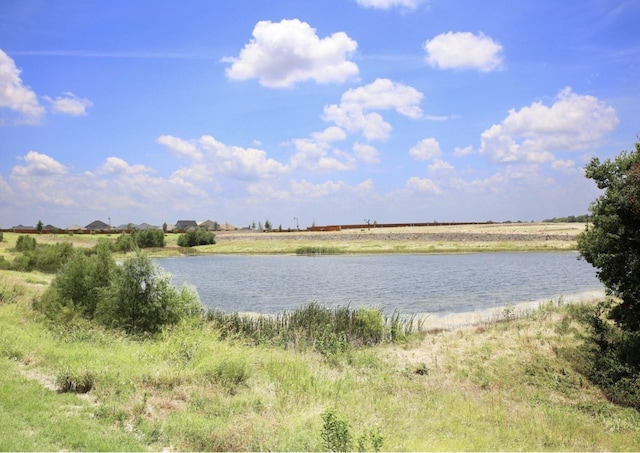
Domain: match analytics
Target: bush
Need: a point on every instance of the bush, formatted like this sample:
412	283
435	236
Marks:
135	297
25	243
148	238
196	237
142	300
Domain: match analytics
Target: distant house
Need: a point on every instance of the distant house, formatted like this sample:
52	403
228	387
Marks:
74	228
23	228
184	225
209	225
50	227
98	225
145	226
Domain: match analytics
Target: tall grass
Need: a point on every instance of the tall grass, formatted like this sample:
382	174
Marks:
507	386
324	329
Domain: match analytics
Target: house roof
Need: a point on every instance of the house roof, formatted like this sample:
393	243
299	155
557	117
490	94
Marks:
184	224
98	225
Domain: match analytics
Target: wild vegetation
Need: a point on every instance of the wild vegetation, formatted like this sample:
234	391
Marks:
612	245
84	371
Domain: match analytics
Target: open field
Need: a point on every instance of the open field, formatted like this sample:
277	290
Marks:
509	385
432	239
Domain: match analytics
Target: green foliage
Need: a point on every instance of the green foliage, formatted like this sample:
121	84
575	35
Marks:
148	238
612	245
141	299
25	243
329	331
123	243
135	297
79	285
39	226
42	257
335	432
569	219
612	242
196	237
72	381
1	236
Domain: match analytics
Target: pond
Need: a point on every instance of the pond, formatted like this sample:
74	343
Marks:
410	284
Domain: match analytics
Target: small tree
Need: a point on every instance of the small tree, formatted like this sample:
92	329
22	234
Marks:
612	243
39	226
142	300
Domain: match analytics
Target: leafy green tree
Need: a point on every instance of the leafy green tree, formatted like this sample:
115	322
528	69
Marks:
39	226
612	243
142	300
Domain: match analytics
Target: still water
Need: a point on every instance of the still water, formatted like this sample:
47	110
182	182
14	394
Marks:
437	284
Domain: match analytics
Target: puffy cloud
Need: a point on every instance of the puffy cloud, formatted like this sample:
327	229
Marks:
366	153
440	166
18	103
573	123
117	166
69	104
384	94
330	134
422	185
239	163
284	53
179	147
388	4
458	152
354	112
313	155
426	149
464	51
564	165
38	165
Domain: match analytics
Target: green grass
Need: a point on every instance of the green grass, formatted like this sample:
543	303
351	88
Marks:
504	386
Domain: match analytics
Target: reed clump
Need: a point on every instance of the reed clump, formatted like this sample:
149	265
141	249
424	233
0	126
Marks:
313	326
310	250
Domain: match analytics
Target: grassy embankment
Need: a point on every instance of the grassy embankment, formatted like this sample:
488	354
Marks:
436	239
511	385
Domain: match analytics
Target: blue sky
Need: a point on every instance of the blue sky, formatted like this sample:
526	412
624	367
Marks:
330	111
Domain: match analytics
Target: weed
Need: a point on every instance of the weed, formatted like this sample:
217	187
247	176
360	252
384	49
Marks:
71	381
335	432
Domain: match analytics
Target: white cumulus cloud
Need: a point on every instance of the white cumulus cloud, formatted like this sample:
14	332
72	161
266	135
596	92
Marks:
179	147
572	123
284	53
366	153
464	51
354	113
422	185
18	103
38	165
426	149
69	104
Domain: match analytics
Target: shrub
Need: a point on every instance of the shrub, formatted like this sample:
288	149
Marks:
25	243
196	237
142	300
1	236
335	432
148	238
